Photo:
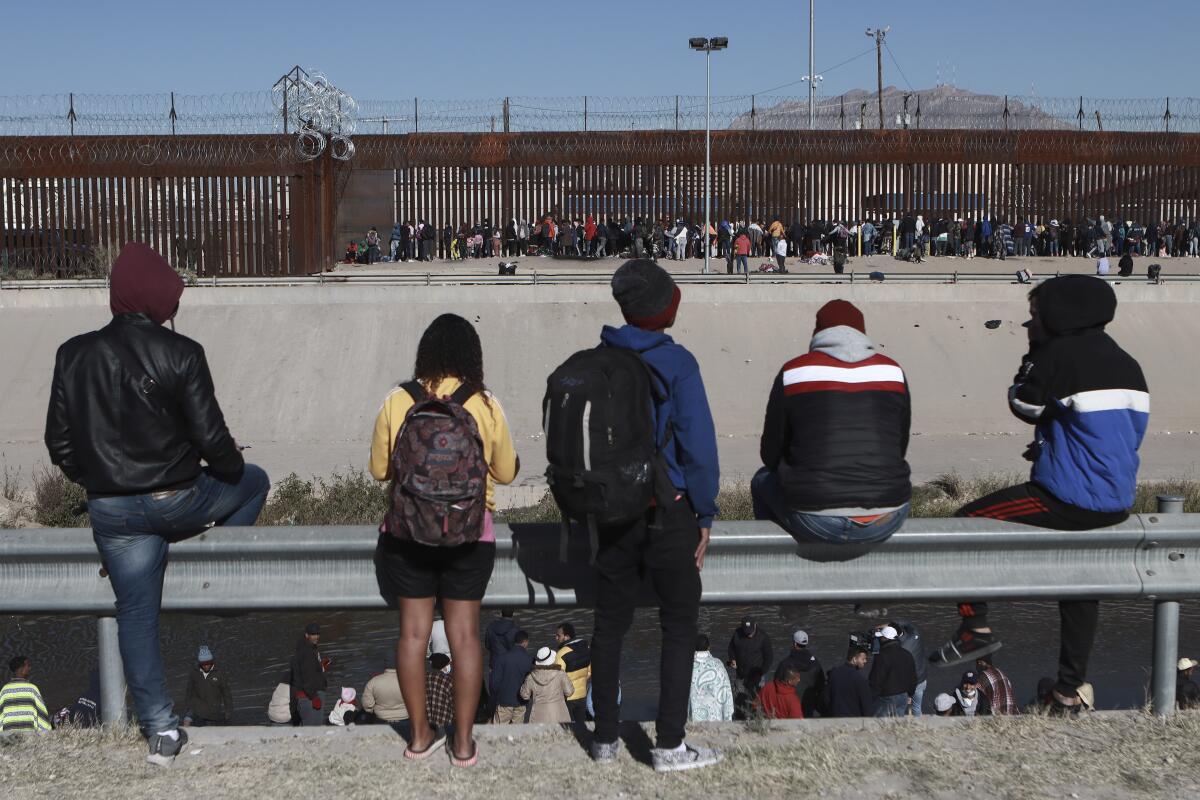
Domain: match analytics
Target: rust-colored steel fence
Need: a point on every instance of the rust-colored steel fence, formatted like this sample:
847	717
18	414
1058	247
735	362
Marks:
251	205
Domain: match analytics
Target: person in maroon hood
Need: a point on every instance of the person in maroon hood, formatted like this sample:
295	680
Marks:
132	416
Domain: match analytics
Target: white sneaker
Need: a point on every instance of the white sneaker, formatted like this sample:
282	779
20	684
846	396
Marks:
163	748
690	757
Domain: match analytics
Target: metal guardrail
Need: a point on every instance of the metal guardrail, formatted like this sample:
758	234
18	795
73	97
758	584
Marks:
535	278
1153	557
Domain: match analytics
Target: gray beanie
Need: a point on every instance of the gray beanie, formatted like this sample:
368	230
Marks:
647	295
204	654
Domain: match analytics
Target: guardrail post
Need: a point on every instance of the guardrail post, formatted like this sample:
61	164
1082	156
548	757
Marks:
1166	633
112	673
1166	654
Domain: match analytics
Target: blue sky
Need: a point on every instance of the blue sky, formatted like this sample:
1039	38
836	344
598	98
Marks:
475	48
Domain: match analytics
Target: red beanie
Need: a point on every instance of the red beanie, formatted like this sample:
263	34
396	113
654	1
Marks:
142	282
840	312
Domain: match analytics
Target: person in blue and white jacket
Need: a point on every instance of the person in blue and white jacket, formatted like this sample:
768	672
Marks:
1089	402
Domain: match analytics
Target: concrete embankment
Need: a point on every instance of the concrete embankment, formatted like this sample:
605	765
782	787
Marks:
1119	756
301	370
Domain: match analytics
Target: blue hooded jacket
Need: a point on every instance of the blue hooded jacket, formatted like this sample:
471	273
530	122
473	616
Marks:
1087	397
691	455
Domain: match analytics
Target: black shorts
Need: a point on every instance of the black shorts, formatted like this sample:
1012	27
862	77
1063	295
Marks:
411	570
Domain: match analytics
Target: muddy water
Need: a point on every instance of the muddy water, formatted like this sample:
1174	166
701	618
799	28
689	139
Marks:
254	649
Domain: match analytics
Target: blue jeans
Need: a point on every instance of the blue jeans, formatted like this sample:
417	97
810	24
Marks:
892	705
132	533
919	698
770	503
742	266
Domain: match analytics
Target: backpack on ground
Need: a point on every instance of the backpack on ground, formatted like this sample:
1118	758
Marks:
439	490
605	463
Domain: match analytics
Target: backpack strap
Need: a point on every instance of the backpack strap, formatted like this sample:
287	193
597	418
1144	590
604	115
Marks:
462	394
415	390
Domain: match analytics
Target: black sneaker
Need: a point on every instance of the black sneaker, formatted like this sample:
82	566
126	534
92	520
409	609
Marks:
966	646
163	749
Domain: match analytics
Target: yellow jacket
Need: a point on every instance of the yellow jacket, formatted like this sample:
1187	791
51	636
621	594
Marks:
575	659
776	229
498	449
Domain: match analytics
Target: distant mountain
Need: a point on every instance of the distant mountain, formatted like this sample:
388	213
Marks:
943	106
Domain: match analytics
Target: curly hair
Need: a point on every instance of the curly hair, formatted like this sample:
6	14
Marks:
450	348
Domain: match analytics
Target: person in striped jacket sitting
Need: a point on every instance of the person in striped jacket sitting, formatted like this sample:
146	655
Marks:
1090	406
21	704
835	438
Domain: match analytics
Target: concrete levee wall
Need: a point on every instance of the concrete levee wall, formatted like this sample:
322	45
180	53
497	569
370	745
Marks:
301	371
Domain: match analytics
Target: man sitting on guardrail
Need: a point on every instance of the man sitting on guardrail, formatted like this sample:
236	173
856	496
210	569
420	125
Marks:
835	438
132	415
1089	401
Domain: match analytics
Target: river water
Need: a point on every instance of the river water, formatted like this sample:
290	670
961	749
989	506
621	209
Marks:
254	649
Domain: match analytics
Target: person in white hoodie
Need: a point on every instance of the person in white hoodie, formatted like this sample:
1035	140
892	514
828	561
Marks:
345	709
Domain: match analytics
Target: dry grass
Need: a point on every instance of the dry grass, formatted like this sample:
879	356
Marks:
1126	756
355	498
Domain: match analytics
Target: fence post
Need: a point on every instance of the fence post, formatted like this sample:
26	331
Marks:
1166	634
112	673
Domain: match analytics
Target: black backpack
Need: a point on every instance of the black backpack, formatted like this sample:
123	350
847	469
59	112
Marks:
605	463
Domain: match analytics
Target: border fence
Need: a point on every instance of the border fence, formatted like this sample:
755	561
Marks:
205	181
943	107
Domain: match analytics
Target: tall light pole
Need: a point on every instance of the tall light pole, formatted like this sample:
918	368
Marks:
812	71
878	34
706	46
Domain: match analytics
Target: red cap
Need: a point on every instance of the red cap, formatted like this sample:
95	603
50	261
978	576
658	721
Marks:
840	312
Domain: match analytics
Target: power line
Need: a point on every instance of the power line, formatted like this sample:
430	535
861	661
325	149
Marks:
819	72
897	63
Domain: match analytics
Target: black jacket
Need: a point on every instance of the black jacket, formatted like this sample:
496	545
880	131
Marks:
849	694
837	426
910	640
108	434
307	675
750	652
508	673
208	698
499	638
893	671
811	688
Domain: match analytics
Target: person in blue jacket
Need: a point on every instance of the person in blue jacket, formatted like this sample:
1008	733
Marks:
669	542
1090	406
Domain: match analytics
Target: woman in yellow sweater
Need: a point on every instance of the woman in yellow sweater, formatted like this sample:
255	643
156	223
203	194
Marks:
449	357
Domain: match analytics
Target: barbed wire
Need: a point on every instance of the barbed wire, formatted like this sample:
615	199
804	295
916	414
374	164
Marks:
945	107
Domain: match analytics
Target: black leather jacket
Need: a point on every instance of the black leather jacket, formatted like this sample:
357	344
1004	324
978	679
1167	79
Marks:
108	435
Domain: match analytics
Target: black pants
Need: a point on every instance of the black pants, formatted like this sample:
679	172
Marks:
627	554
578	710
1029	504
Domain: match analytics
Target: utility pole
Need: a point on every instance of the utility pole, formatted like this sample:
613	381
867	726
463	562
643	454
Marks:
878	34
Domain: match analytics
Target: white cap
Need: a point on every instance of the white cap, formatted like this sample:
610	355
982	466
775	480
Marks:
348	694
800	638
943	702
888	632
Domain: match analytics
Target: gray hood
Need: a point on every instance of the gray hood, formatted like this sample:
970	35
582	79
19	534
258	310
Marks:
843	343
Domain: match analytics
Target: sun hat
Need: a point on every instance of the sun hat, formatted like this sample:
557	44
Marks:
545	657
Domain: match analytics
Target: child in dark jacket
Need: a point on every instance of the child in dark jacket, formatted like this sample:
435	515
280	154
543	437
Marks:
672	554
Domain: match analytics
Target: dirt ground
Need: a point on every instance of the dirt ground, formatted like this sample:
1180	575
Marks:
1111	756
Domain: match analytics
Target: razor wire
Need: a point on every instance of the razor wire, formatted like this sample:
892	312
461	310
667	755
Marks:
321	114
313	109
